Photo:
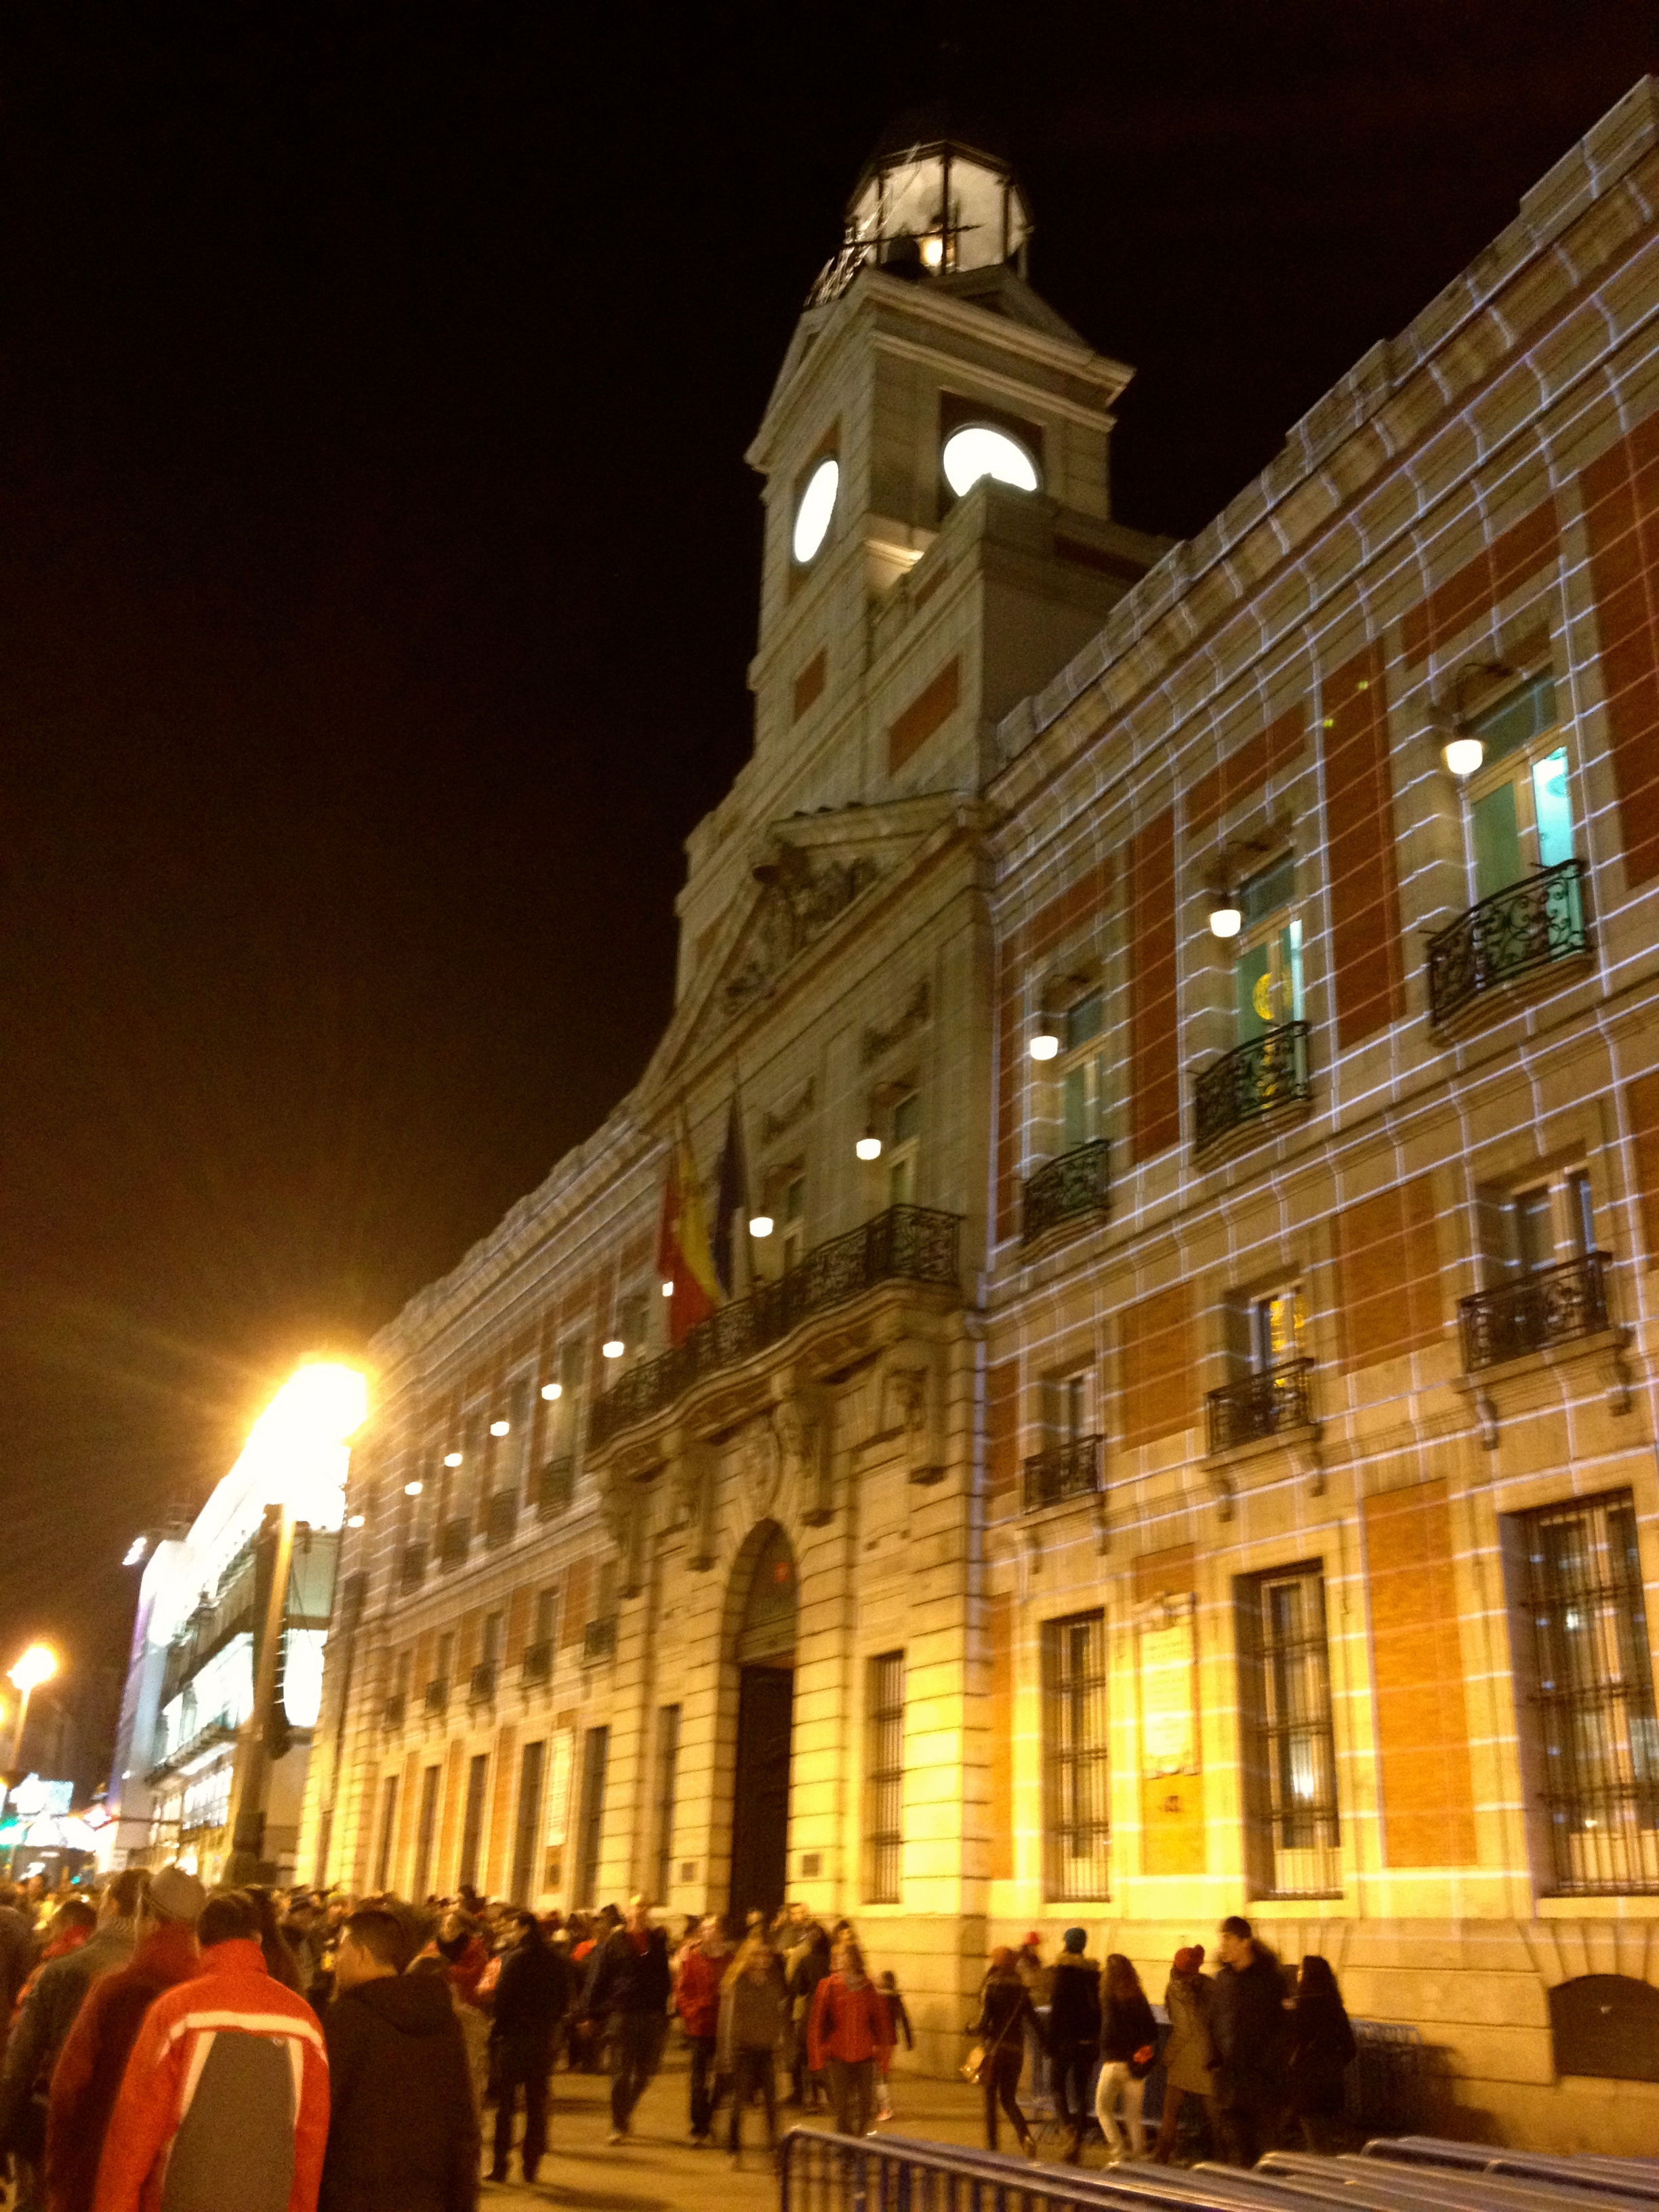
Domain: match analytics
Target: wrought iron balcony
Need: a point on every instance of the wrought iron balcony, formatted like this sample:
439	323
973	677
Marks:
537	1663
1252	1081
1067	1470
1072	1187
600	1639
501	1518
391	1713
907	1244
481	1683
1258	1406
453	1540
555	1486
437	1697
412	1567
1551	1306
1520	929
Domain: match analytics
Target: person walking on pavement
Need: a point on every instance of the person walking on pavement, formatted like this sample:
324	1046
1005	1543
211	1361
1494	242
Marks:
754	2027
1188	2056
1322	2046
55	1994
225	2097
810	1964
87	2078
532	1998
1073	2037
1128	2044
1005	2012
402	2130
1247	2023
628	1984
849	2034
703	1966
16	1951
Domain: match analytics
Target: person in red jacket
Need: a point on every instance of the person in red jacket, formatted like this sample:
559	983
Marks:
225	2098
849	2031
703	1968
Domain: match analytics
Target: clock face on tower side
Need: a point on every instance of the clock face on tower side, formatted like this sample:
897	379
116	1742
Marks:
977	450
814	508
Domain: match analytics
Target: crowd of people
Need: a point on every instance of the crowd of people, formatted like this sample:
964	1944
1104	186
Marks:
288	2052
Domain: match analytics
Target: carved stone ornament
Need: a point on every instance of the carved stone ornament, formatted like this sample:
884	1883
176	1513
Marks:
799	903
763	1468
803	1434
877	1041
694	1488
780	1122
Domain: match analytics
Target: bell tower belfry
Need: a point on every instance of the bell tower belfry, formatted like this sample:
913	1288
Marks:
938	536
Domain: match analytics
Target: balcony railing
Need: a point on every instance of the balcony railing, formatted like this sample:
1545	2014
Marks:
412	1567
1250	1082
1260	1406
481	1683
907	1244
1553	1306
600	1639
1521	929
1072	1187
555	1486
537	1663
437	1697
501	1518
391	1713
452	1540
1067	1470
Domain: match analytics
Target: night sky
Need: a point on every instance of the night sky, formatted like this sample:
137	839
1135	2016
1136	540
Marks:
377	569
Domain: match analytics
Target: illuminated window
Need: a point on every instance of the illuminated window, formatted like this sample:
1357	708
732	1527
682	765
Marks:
1267	968
1291	1758
884	1778
1520	802
1077	1812
903	1141
1275	1327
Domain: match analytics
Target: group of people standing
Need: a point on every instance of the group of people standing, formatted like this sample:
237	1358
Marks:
1247	2047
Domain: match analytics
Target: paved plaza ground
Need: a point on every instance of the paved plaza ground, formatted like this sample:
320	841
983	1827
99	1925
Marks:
658	2171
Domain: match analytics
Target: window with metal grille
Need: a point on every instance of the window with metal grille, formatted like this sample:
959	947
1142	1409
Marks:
531	1761
884	1778
668	1776
388	1828
1593	1684
596	1753
1077	1822
477	1774
1291	1758
426	1830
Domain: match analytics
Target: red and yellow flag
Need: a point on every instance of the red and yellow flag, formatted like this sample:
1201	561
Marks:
683	1255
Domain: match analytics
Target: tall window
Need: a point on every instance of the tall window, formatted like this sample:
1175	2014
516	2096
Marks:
388	1829
1523	1230
527	1825
1076	1824
904	1141
1065	1409
1275	1326
1082	1073
884	1778
1593	1679
793	1245
477	1774
1267	970
1519	800
668	1774
426	1829
596	1753
1290	1769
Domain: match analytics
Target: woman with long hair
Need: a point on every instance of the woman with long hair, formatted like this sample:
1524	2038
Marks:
1004	2014
849	2035
754	2025
1322	2044
1128	2044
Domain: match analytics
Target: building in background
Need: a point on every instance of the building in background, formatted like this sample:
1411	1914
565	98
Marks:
1184	1442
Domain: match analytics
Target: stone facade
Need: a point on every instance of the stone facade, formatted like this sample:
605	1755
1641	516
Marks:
1128	1395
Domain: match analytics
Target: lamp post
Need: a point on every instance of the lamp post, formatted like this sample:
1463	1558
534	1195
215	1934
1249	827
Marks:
38	1664
299	1438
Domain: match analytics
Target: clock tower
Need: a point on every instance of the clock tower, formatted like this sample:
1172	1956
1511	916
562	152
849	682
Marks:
939	533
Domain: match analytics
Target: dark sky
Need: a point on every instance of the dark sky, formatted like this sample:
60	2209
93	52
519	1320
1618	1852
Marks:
378	569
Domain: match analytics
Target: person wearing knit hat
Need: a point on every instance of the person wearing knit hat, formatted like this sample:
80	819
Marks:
1073	2037
1188	2055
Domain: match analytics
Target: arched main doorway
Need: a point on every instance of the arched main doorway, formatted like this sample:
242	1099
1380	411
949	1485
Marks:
765	1650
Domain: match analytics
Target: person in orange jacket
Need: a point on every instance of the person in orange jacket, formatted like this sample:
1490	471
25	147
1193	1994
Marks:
849	2031
225	2097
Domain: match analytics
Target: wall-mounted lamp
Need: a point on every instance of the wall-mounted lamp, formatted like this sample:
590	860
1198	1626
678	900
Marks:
354	1520
1226	915
613	1347
1462	753
668	1290
413	1489
868	1147
1045	1038
552	1390
452	1459
500	1428
760	1224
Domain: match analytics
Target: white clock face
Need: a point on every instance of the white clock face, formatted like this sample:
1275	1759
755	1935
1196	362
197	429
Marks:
977	451
817	504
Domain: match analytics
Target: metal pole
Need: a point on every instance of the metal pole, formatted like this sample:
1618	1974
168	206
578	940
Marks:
16	1772
251	1776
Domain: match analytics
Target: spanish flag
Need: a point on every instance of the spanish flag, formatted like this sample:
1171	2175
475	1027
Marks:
683	1254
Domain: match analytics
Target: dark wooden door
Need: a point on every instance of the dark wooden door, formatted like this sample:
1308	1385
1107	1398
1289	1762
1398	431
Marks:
760	1803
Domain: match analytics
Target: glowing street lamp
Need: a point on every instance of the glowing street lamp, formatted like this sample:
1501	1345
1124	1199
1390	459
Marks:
38	1664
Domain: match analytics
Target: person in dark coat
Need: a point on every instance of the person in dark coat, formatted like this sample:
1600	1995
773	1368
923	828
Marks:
1073	2036
628	1983
1322	2046
1128	2044
1247	2026
1188	2056
87	2078
402	2130
1005	2013
531	1998
812	1964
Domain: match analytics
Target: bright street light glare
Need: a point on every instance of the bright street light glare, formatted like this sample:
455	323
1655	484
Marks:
321	1403
37	1665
